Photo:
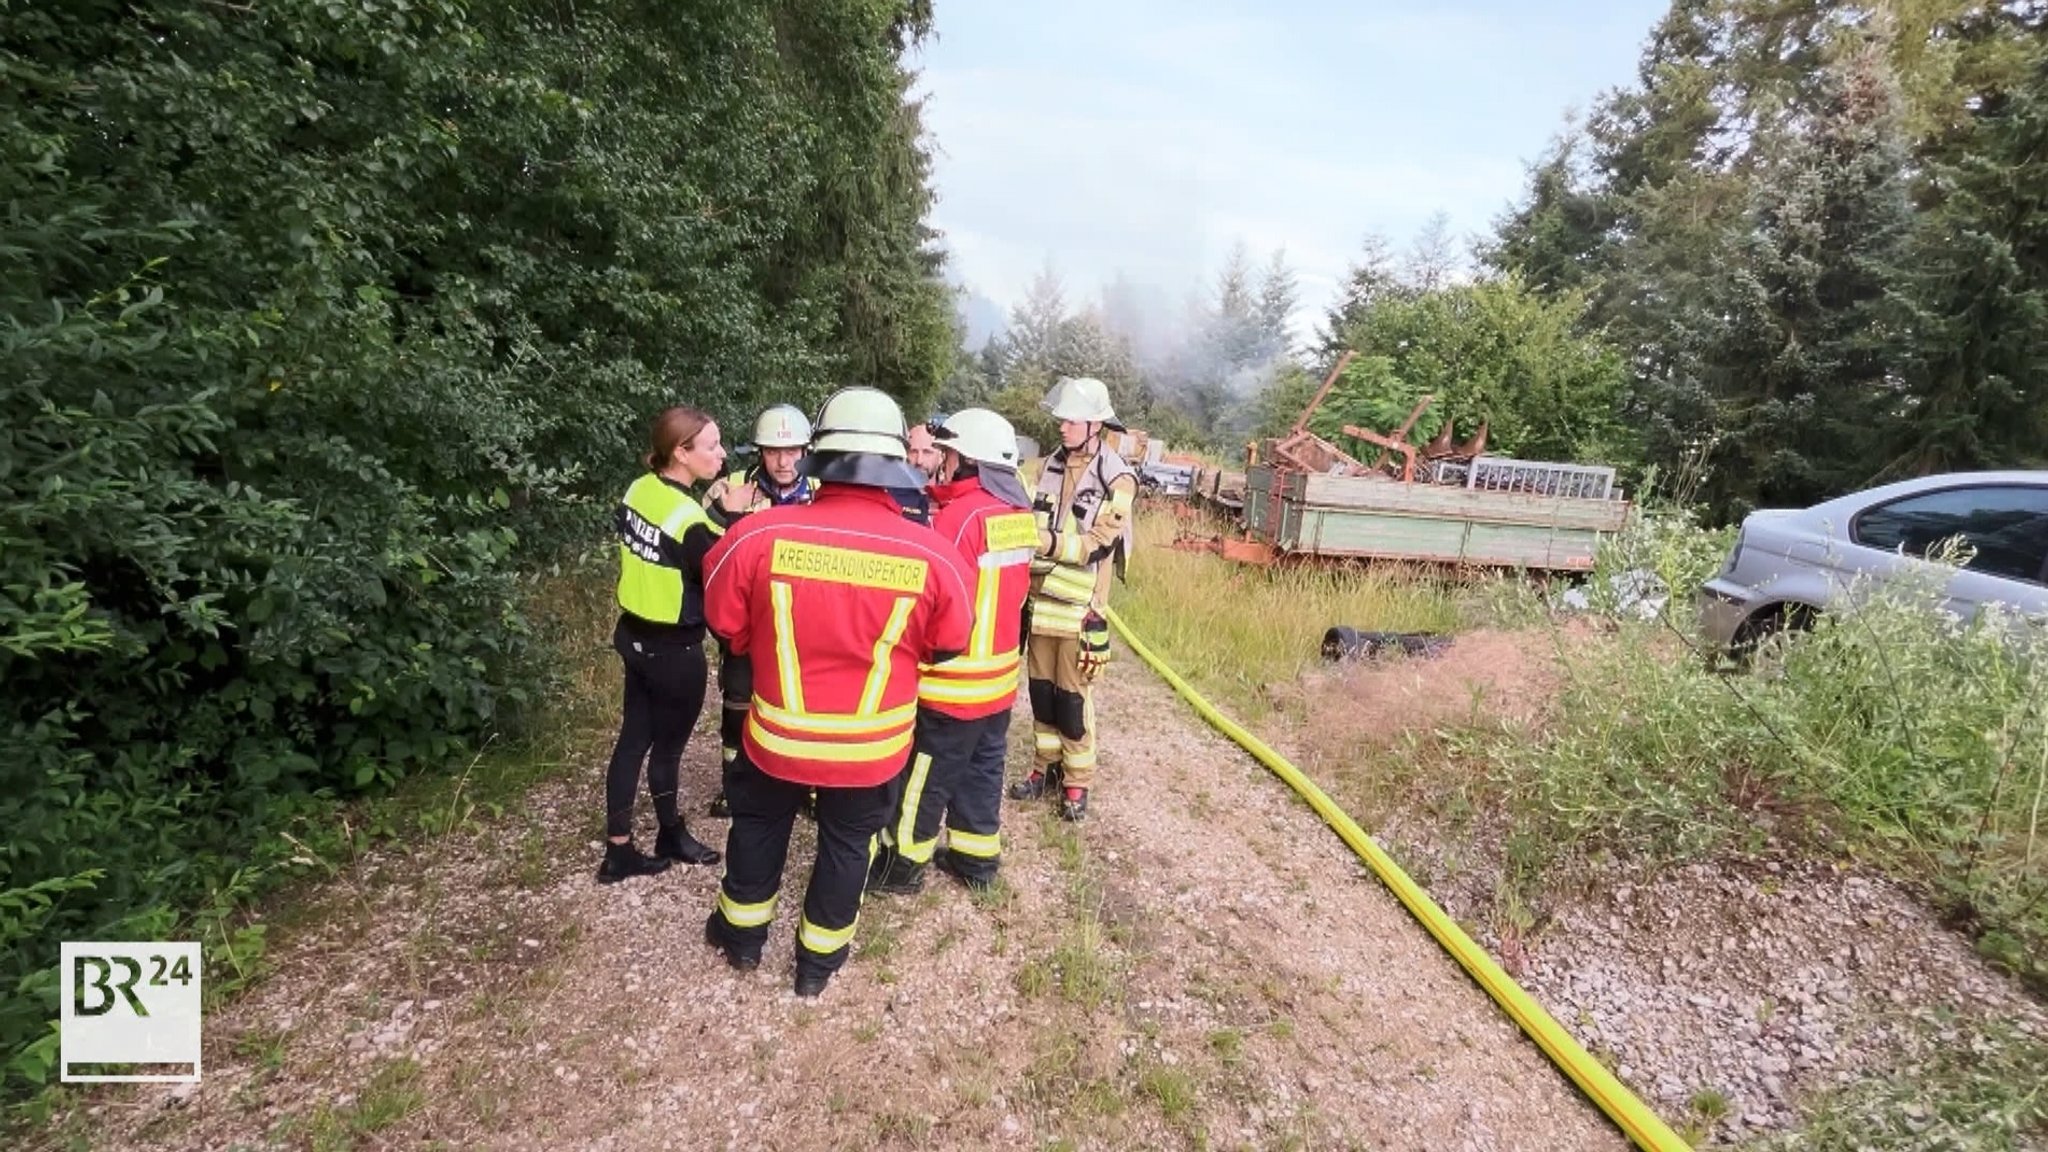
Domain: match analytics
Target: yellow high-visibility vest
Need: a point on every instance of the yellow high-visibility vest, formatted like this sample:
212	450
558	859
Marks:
649	586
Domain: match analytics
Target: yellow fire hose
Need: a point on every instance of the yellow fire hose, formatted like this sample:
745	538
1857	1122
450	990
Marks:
1637	1121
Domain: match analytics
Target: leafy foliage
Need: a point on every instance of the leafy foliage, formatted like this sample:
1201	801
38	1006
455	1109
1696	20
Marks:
1816	228
1491	352
325	317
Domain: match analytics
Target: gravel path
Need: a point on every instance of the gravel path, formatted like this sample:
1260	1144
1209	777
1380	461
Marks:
1205	965
1763	983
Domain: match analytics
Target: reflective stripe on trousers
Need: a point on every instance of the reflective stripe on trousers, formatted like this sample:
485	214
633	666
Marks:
757	850
1056	660
955	782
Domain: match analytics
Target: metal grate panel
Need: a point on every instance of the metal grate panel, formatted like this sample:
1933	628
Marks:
1529	477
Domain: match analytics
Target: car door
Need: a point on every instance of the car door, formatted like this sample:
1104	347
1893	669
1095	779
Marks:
2005	524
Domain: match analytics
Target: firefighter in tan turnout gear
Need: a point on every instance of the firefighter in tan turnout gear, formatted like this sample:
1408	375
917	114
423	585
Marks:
1084	509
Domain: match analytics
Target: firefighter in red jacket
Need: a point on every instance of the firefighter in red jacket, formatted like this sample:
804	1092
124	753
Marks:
963	718
838	602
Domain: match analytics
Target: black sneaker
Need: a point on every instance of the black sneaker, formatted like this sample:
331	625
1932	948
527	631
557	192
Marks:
624	861
714	935
676	843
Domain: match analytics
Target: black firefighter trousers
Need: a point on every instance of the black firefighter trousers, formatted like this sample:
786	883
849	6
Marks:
736	692
955	778
757	849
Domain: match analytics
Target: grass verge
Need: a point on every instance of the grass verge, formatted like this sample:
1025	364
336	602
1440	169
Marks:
1990	1093
1238	628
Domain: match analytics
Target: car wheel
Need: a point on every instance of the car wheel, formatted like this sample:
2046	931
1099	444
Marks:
1760	642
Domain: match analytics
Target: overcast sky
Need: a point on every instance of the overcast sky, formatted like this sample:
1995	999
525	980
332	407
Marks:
1148	135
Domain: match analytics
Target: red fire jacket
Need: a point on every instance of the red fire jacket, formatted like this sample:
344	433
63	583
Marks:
997	542
838	602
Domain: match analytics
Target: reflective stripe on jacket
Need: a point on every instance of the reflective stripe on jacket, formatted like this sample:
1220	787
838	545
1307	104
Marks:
997	542
837	603
1068	582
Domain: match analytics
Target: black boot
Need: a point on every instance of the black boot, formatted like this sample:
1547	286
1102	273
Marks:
977	880
897	877
714	935
676	843
624	861
811	983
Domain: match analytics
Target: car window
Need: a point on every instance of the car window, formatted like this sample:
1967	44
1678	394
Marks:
2006	524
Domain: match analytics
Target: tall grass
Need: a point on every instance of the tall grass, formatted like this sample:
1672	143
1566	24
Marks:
1233	628
1889	731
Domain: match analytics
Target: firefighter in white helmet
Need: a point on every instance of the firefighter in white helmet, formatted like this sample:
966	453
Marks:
782	435
839	603
963	705
1084	504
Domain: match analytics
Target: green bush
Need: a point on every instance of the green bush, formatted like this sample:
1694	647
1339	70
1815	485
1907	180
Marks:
322	319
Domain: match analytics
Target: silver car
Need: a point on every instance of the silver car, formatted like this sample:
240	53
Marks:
1788	564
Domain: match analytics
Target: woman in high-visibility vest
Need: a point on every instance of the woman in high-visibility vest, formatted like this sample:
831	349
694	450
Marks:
663	536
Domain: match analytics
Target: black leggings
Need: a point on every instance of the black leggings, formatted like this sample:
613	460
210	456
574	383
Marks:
664	695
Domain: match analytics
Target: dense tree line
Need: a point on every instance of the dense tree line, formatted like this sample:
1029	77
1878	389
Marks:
323	319
1197	377
1806	251
1816	231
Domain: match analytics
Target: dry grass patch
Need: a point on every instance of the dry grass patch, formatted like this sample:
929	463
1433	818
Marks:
1237	630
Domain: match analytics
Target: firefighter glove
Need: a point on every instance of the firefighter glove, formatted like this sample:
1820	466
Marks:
1094	645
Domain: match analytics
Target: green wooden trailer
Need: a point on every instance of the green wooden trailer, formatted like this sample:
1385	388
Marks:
1439	503
1504	514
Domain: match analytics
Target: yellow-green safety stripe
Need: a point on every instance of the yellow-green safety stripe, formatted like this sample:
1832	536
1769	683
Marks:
746	915
986	846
